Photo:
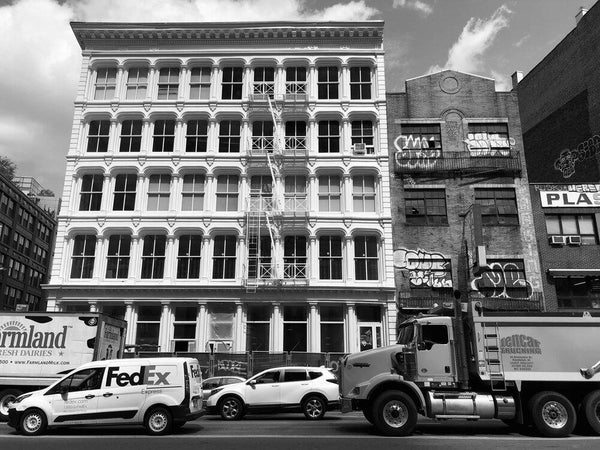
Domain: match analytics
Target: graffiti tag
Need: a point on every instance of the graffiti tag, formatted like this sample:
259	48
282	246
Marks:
485	144
416	152
426	269
236	367
502	280
565	163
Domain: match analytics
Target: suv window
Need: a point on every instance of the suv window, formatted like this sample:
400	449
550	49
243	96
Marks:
210	384
83	380
295	375
315	375
269	377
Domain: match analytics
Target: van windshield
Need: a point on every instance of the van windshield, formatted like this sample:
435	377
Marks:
405	334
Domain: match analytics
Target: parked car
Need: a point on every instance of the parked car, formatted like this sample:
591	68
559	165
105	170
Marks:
312	390
216	382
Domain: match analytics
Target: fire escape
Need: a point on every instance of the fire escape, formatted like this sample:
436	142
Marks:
274	204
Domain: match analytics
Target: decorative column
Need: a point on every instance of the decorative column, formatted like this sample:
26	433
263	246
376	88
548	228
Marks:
347	193
201	327
352	327
164	334
135	258
140	193
314	331
98	258
210	193
106	189
130	318
247	82
346	136
345	82
113	137
146	137
313	257
150	94
279	81
313	143
312	82
348	253
179	143
120	82
212	145
313	193
276	344
205	260
170	259
246	138
176	189
214	83
242	257
239	344
183	84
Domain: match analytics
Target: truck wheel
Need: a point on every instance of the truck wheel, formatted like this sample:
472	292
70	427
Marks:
590	407
33	422
231	408
158	421
7	396
314	407
552	414
394	414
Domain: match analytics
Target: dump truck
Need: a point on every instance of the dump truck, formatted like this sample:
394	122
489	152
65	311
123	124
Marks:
464	360
38	348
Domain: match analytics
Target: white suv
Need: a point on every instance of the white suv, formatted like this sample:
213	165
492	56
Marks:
312	390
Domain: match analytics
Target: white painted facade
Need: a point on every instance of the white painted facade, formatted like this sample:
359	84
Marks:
332	291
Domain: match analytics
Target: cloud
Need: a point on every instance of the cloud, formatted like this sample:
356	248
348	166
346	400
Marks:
41	62
476	38
503	81
522	40
417	5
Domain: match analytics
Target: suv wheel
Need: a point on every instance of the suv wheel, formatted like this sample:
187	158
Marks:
314	407
158	421
231	408
33	422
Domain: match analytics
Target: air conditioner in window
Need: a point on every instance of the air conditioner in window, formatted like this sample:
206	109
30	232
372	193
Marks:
359	149
574	240
219	346
557	240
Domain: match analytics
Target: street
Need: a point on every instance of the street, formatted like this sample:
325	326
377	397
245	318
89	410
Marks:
294	432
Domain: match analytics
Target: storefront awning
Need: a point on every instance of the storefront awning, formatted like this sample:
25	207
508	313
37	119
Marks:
574	272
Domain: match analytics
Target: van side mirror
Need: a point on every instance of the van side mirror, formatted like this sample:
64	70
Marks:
251	383
64	390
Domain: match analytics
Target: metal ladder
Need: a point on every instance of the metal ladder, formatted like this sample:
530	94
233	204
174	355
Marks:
493	358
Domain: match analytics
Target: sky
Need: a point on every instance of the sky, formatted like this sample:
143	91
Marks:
41	59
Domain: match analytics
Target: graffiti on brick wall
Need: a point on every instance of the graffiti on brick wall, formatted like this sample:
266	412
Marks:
565	163
503	280
232	367
425	269
416	152
485	144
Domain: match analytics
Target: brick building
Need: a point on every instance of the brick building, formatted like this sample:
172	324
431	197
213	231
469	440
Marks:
559	102
461	209
27	234
227	186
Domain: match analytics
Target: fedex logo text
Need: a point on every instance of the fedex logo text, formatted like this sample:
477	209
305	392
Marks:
146	376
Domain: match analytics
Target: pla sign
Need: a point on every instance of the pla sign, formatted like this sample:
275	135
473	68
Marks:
569	199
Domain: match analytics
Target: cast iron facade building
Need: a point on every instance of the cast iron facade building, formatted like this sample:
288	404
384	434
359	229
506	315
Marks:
460	200
559	101
227	186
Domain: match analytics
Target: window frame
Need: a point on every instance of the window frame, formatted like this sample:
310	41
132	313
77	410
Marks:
328	83
130	137
163	135
360	88
198	82
194	195
159	192
189	256
196	136
497	218
586	238
90	195
106	83
154	248
82	262
328	138
133	84
230	135
365	263
232	81
428	202
231	197
118	256
98	136
367	199
124	196
168	87
224	264
331	264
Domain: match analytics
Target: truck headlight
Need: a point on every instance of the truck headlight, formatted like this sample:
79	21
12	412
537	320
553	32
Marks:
20	398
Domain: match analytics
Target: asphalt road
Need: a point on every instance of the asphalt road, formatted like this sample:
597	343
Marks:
293	432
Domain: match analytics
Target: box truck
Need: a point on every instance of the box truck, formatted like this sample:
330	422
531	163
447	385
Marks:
38	348
464	361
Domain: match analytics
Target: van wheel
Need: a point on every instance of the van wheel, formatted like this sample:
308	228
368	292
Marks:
231	408
552	414
394	414
158	421
314	407
7	396
590	407
33	422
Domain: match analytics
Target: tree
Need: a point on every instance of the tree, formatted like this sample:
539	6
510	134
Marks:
46	193
7	167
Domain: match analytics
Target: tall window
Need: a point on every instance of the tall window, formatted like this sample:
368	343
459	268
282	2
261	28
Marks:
91	192
163	138
328	83
261	193
188	259
360	83
578	292
362	133
220	324
294	257
227	193
168	83
98	134
330	258
366	258
131	136
330	193
295	194
425	207
264	81
419	137
295	135
488	139
137	83
159	192
295	328
329	136
124	196
262	135
504	278
363	193
229	136
106	83
153	256
184	328
117	258
193	192
82	261
582	225
232	83
295	81
332	328
200	83
196	137
148	326
259	257
258	324
224	256
498	206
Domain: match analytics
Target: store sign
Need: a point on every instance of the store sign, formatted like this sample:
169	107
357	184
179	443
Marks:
569	199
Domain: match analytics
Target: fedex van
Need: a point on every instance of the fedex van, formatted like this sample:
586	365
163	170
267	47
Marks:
159	393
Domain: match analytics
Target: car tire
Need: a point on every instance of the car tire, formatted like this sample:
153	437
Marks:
590	409
394	413
552	414
7	396
231	408
33	422
158	421
314	407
